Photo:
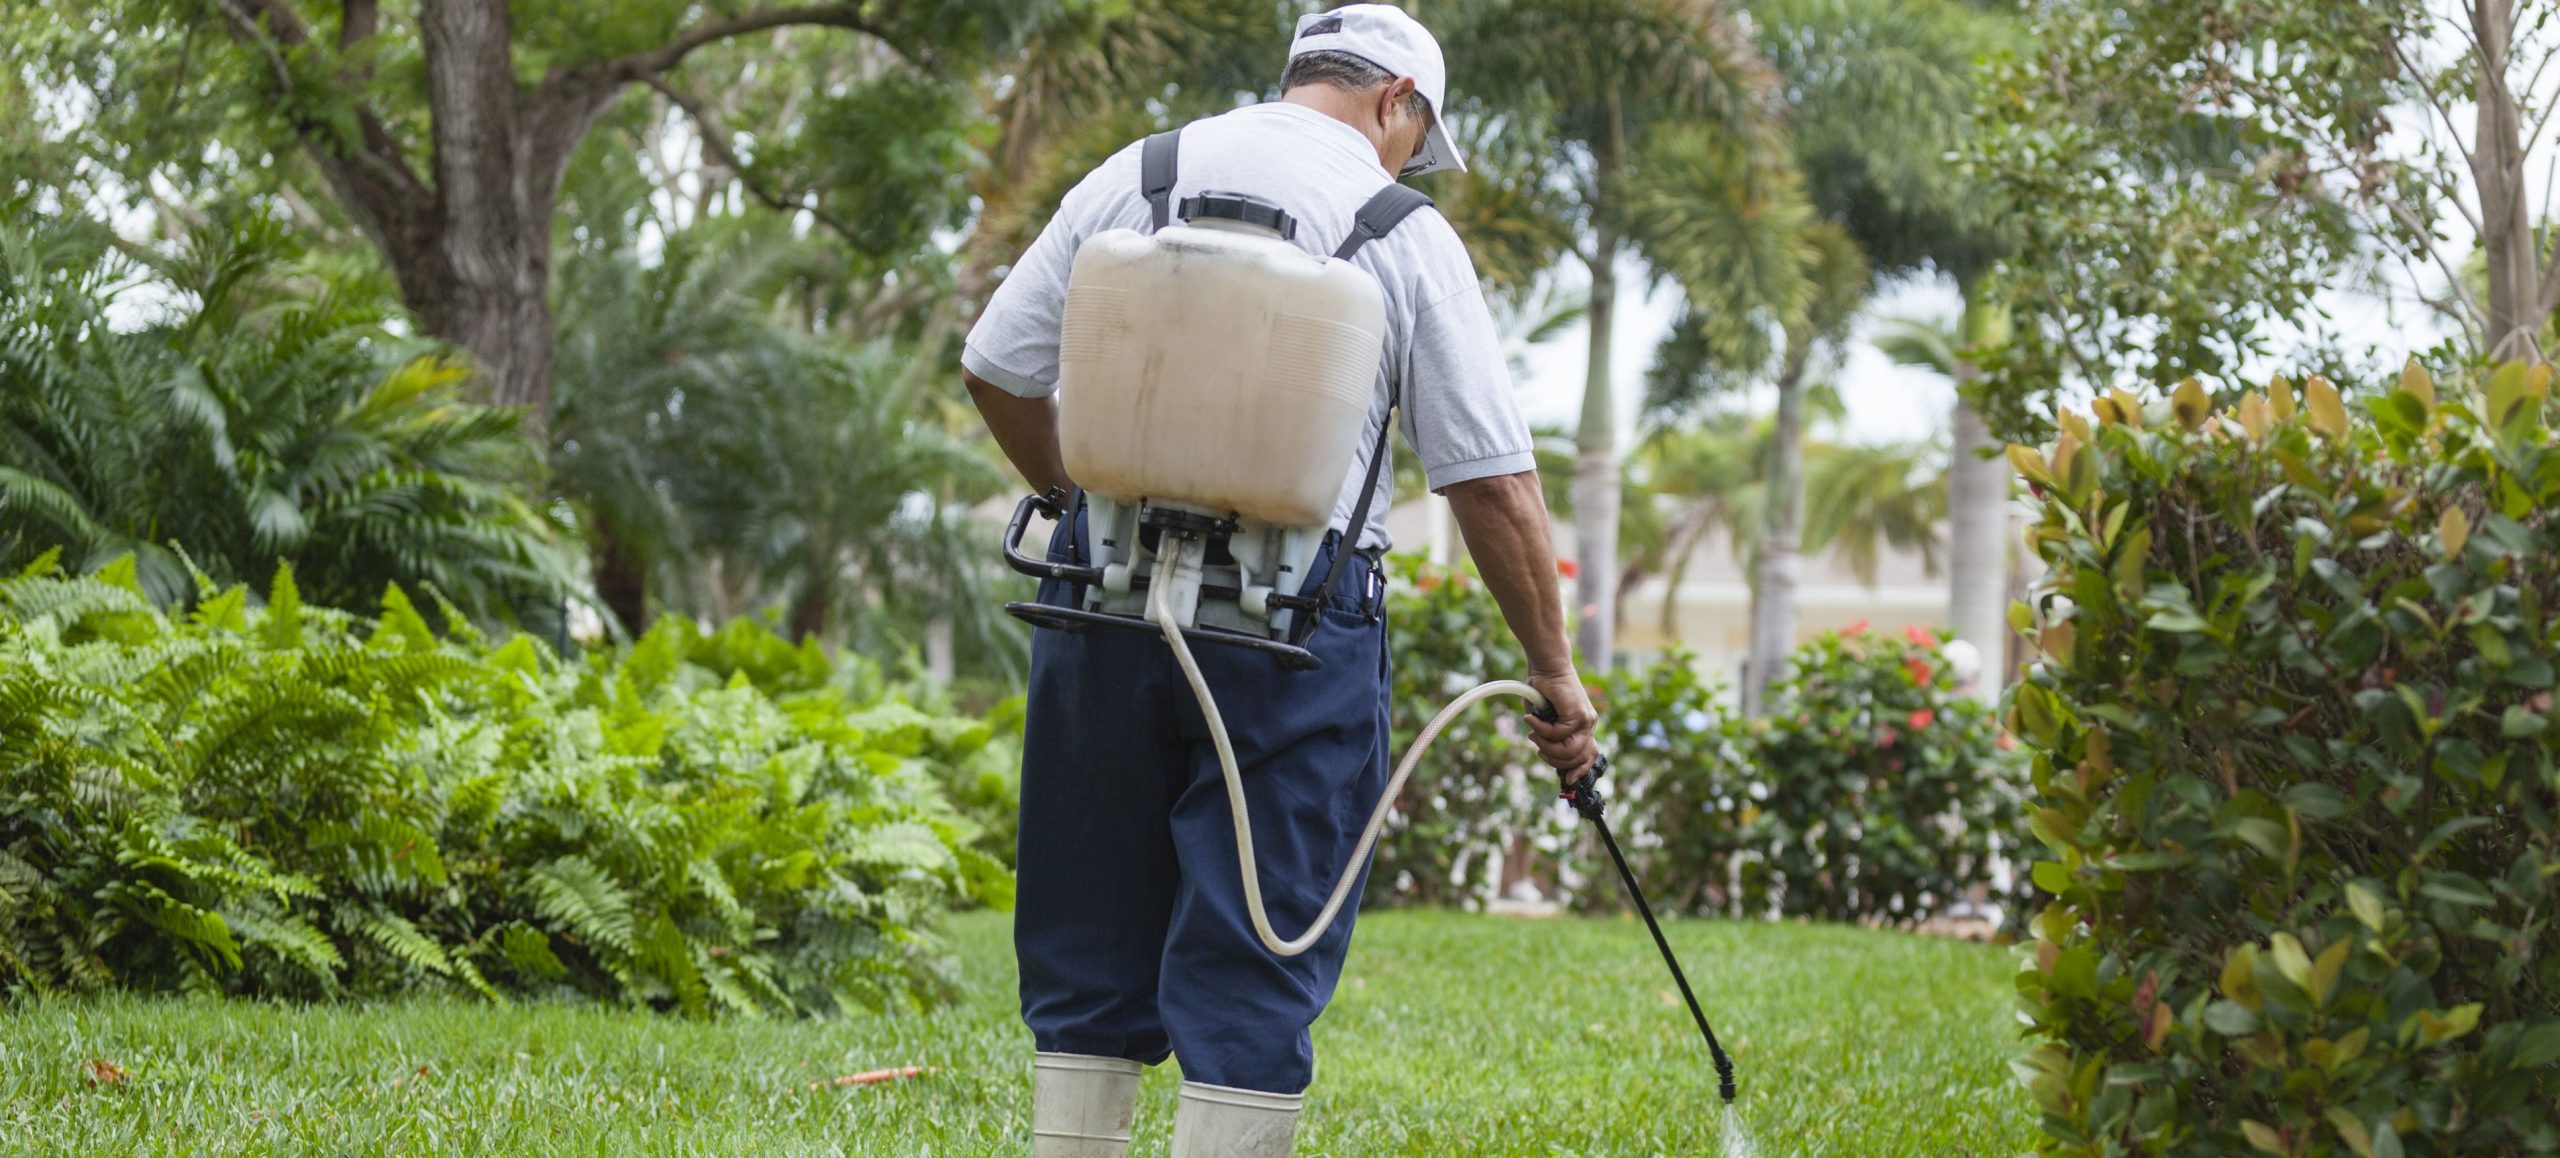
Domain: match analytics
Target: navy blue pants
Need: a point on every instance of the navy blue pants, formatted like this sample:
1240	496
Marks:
1129	921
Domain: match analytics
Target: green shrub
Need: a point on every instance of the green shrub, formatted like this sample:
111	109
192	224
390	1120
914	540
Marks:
1480	787
295	801
1870	791
2294	761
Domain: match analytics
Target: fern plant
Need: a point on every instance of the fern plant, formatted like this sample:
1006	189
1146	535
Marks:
286	799
255	413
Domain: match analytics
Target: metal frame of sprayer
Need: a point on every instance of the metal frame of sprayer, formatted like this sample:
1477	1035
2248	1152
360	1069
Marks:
1233	577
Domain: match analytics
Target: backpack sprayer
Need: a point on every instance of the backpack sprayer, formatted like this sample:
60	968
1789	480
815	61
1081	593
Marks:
1220	377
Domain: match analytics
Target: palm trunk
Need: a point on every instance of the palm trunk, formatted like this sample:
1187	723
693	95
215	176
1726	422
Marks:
1773	595
1595	471
1978	513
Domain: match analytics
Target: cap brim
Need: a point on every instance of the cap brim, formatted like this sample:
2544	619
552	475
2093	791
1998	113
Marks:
1438	152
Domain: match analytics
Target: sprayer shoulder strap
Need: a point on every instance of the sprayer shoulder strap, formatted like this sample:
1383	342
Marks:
1156	166
1379	216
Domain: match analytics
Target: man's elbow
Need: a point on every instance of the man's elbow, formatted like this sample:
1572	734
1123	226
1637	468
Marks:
1497	492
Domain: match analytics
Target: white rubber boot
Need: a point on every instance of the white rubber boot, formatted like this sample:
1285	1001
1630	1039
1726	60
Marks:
1225	1122
1081	1106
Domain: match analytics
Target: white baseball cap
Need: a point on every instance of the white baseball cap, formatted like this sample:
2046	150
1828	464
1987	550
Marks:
1385	36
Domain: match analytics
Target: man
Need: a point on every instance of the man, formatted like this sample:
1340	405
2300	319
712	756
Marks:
1130	924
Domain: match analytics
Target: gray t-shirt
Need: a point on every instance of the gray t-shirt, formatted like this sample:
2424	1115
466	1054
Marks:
1441	346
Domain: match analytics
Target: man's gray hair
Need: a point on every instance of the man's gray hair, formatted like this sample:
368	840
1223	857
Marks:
1349	73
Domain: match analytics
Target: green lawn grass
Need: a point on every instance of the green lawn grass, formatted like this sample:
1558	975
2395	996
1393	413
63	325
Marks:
1452	1034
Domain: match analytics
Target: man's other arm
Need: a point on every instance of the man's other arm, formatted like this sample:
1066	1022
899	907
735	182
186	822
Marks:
1504	518
1026	429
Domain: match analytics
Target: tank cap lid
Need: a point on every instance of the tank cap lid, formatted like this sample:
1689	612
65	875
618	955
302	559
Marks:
1244	207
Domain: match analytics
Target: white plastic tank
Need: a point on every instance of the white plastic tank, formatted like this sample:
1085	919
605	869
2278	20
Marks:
1215	365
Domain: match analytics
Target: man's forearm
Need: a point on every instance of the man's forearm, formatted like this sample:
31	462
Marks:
1505	521
1026	429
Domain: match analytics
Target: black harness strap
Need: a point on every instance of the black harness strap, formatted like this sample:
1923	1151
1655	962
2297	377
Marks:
1155	173
1377	217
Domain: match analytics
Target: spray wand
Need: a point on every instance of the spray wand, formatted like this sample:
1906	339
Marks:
1584	795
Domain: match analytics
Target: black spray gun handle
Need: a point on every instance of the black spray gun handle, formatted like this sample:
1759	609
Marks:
1582	792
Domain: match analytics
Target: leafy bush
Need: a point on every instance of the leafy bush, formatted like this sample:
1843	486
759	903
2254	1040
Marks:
264	414
2294	760
1480	788
1869	791
295	801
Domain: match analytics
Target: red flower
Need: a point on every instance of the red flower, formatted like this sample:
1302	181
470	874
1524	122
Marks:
1858	628
1922	719
1920	670
1886	737
1568	568
2007	741
1920	635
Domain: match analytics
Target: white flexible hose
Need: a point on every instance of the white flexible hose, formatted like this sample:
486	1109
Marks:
1162	611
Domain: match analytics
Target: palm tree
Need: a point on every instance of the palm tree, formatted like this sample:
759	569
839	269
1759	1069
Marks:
1977	481
1602	92
1710	475
1883	91
268	415
647	432
855	520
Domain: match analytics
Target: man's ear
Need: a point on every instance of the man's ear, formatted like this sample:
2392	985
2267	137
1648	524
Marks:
1392	97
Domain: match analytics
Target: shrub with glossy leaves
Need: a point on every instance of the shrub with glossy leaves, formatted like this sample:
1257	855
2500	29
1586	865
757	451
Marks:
1870	791
1480	793
2297	774
291	800
1873	791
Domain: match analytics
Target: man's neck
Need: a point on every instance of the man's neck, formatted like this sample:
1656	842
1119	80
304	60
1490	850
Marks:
1349	108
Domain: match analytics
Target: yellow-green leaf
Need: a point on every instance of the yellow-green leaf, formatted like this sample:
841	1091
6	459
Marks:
2263	1136
2029	465
2290	959
2239	977
2367	905
2351	1131
2453	529
2254	417
2328	411
2280	399
2324	972
2190	404
2420	384
2162	1021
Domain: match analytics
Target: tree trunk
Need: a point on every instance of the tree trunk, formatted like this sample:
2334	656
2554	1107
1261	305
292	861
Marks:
811	610
1595	470
1773	594
1595	474
622	580
485	285
941	659
2506	218
1978	539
